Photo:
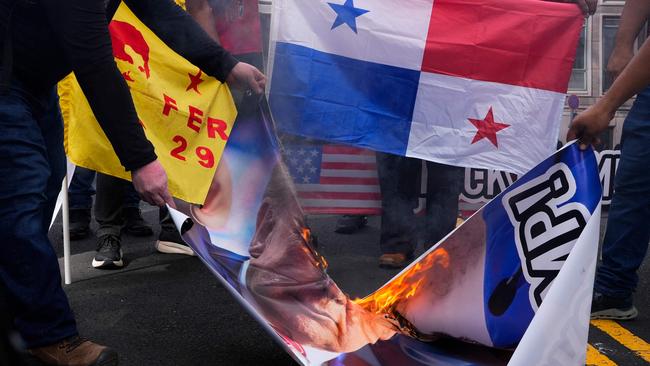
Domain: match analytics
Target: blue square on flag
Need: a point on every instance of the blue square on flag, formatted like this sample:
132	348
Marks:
304	162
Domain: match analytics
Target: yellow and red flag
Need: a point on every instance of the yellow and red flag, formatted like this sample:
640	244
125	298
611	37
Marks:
186	114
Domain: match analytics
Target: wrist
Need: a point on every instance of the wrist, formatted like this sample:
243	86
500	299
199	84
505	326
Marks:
606	105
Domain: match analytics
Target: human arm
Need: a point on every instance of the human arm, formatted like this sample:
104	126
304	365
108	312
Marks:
182	34
81	28
635	13
595	119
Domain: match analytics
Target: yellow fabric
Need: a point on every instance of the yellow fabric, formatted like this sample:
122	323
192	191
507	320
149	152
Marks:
183	119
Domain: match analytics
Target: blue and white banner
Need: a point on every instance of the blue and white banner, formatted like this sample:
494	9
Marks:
516	275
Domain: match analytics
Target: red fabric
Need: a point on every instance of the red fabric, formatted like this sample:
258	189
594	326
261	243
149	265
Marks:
239	27
483	46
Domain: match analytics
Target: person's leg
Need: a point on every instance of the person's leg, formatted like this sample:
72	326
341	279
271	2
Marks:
170	241
444	184
80	198
108	214
398	178
81	189
29	268
627	235
134	224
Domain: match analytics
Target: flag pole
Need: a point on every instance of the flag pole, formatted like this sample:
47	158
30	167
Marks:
66	232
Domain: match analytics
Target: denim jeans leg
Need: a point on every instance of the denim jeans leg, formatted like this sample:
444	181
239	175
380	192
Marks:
31	173
81	189
627	235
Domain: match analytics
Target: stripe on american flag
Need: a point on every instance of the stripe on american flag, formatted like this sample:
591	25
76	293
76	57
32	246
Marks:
335	179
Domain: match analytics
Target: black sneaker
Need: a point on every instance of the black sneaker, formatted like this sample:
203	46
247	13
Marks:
171	242
134	224
79	223
605	307
348	224
109	253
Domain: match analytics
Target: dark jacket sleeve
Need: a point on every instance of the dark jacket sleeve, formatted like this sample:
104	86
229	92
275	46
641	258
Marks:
82	29
182	34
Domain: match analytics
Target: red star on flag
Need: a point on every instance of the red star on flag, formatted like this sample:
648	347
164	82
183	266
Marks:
487	128
195	80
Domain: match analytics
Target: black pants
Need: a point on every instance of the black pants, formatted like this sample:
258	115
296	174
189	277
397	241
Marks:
399	181
108	210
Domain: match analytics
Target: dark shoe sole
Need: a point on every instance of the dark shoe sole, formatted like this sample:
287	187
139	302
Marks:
107	358
392	265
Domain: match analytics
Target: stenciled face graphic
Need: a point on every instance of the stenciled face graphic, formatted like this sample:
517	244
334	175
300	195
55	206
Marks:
131	51
287	279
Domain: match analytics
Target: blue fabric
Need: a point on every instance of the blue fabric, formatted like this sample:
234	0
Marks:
503	262
31	171
335	98
628	225
81	189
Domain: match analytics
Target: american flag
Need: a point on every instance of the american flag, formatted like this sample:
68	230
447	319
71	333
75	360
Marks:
334	179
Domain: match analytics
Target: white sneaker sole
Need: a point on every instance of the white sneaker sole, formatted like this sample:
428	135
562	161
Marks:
169	247
108	264
616	314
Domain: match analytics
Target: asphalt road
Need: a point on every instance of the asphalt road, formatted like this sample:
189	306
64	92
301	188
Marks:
166	309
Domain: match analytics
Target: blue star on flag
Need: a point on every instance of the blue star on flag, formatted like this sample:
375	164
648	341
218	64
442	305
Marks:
347	14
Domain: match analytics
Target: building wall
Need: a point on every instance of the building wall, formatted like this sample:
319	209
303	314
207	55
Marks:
600	29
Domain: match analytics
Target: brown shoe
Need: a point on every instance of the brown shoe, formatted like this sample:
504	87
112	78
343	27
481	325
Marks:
75	351
394	260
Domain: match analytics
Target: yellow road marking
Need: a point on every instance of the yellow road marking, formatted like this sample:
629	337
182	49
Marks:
624	337
595	358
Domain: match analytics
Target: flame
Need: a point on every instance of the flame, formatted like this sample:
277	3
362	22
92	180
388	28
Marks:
306	234
309	240
405	285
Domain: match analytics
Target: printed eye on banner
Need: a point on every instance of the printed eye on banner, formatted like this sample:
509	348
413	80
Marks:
546	226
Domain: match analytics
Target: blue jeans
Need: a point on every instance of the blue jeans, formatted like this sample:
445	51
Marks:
31	171
81	190
628	226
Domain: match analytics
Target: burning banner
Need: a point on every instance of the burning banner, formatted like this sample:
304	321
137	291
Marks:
517	275
186	114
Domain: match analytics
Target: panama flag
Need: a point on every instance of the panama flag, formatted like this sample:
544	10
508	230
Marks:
476	83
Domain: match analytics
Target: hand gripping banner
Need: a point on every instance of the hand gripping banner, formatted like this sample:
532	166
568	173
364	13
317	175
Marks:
186	114
512	285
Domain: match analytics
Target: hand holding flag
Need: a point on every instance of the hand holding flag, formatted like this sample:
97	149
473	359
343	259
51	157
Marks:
245	76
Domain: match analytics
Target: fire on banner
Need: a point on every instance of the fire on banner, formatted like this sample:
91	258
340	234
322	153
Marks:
516	275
